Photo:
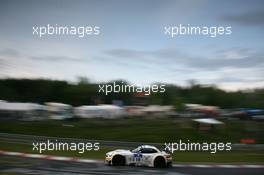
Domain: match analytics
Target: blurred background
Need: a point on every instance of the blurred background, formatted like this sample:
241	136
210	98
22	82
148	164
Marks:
214	86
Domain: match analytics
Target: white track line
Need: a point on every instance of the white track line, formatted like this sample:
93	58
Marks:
73	159
48	157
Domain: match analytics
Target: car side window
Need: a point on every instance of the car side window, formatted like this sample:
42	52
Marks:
137	150
148	151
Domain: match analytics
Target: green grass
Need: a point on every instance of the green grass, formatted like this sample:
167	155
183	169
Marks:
219	157
158	130
138	129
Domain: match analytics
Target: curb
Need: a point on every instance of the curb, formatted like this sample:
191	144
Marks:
80	160
48	157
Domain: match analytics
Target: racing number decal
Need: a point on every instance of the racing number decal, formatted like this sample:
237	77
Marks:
146	157
138	157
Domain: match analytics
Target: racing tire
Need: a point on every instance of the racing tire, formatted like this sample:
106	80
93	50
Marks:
118	160
159	162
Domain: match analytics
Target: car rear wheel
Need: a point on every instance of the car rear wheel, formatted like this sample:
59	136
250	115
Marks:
159	162
118	160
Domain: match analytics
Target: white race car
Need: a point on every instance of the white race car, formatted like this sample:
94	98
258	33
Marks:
144	155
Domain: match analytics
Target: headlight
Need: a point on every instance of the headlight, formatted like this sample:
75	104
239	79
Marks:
109	154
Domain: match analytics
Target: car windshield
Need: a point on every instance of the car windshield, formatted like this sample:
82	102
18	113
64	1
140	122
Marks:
136	150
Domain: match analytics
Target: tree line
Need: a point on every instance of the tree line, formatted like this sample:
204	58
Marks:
86	93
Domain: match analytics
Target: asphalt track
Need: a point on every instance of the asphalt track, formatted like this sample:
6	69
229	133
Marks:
22	165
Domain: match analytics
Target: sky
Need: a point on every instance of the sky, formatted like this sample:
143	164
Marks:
132	45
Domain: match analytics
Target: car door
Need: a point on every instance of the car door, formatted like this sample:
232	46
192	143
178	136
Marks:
137	158
146	156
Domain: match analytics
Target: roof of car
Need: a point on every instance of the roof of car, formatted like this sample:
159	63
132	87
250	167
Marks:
148	146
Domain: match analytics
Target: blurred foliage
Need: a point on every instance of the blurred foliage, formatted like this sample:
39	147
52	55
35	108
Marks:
84	92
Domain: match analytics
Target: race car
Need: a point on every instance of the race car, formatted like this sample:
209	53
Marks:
144	155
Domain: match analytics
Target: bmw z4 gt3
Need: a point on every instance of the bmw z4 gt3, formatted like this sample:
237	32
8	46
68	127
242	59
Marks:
144	155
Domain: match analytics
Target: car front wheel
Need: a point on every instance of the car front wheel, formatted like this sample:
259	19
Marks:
118	160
